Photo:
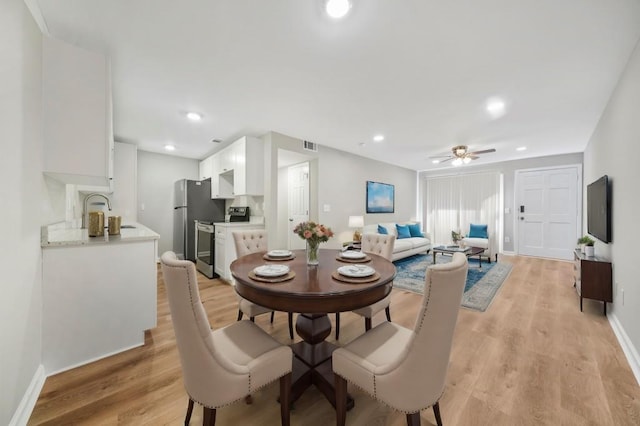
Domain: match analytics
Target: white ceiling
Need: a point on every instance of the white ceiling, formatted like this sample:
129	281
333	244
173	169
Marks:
417	71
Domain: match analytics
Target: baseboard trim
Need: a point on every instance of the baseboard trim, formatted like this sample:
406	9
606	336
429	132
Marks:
98	358
627	346
29	399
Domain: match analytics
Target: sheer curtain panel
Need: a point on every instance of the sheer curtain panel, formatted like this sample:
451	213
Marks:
454	202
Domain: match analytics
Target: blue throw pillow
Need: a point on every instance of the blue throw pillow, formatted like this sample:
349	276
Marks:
414	230
478	231
382	230
403	231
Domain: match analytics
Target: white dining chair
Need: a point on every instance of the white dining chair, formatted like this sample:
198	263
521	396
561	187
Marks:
382	245
248	242
406	369
225	365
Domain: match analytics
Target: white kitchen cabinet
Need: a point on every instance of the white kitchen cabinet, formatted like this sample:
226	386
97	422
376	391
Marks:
225	246
249	166
206	168
77	115
239	169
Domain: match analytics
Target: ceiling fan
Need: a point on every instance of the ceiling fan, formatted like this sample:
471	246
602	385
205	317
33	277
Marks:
461	155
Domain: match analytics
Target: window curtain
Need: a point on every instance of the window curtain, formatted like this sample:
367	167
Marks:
455	202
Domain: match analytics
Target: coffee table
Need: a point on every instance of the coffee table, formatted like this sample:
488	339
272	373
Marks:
473	251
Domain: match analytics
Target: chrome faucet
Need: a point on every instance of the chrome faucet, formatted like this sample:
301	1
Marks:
84	209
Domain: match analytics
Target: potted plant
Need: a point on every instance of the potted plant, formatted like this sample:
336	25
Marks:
586	245
456	237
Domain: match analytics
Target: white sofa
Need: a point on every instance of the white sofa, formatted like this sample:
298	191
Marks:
404	247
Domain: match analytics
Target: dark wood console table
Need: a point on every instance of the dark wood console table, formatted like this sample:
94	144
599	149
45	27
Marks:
592	278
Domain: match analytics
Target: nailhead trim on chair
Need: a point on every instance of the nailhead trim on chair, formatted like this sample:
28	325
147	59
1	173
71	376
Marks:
249	391
419	327
390	406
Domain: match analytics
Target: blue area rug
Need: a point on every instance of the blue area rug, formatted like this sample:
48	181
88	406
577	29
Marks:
479	290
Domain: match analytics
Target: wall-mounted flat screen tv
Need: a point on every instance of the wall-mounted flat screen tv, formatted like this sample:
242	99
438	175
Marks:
599	209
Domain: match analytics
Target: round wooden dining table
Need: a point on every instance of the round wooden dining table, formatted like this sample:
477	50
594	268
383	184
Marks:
312	292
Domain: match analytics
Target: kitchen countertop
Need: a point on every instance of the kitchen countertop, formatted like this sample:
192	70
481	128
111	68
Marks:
232	224
60	234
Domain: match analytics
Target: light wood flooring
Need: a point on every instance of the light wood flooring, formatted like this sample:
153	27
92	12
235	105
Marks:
531	359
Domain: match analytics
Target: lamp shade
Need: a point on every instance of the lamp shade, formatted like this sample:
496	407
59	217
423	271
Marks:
356	221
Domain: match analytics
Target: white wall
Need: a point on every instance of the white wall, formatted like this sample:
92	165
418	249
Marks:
157	174
337	179
508	169
614	150
28	201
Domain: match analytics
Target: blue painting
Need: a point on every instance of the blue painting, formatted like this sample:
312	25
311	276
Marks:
380	197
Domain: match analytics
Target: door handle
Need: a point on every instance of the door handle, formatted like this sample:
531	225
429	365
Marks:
521	218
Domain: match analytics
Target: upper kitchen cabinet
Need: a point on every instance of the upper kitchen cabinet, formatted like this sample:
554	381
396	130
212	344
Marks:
238	169
206	168
77	115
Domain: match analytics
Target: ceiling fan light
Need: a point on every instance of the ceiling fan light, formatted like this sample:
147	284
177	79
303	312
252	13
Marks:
466	160
457	162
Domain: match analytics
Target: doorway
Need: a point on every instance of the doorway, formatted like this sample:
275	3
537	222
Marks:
298	201
548	211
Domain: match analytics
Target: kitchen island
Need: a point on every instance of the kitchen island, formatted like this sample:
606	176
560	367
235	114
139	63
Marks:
99	293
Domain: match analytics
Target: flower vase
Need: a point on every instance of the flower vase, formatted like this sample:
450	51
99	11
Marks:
312	253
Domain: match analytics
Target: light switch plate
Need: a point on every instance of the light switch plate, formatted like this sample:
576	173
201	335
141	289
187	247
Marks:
326	207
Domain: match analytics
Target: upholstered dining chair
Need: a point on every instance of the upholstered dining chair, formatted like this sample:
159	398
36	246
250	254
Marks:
225	365
248	242
382	245
406	369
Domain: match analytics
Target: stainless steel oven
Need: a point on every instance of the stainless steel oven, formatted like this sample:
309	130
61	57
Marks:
205	246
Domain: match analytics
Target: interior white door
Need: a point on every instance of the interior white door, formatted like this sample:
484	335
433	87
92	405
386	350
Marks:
298	201
548	208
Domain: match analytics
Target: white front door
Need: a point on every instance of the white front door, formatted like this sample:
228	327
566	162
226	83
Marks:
547	211
298	202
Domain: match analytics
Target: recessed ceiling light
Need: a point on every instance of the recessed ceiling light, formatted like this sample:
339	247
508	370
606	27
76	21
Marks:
495	107
435	161
521	148
337	8
169	148
378	138
194	116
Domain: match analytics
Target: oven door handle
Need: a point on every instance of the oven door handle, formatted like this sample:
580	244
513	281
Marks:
205	228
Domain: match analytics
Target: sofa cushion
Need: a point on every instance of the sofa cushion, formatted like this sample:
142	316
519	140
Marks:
477	242
403	231
478	231
382	230
402	245
414	230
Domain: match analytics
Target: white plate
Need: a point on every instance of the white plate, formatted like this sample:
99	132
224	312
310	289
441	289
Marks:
356	271
279	253
271	270
352	254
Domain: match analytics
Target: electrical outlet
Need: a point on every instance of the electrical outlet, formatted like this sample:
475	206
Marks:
507	239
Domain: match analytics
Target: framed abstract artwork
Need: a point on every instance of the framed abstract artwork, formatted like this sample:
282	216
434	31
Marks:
380	197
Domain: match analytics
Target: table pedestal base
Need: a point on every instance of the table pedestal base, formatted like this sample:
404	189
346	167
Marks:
312	360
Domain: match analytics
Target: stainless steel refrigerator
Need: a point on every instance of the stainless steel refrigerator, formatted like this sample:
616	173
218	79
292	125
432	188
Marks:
192	202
